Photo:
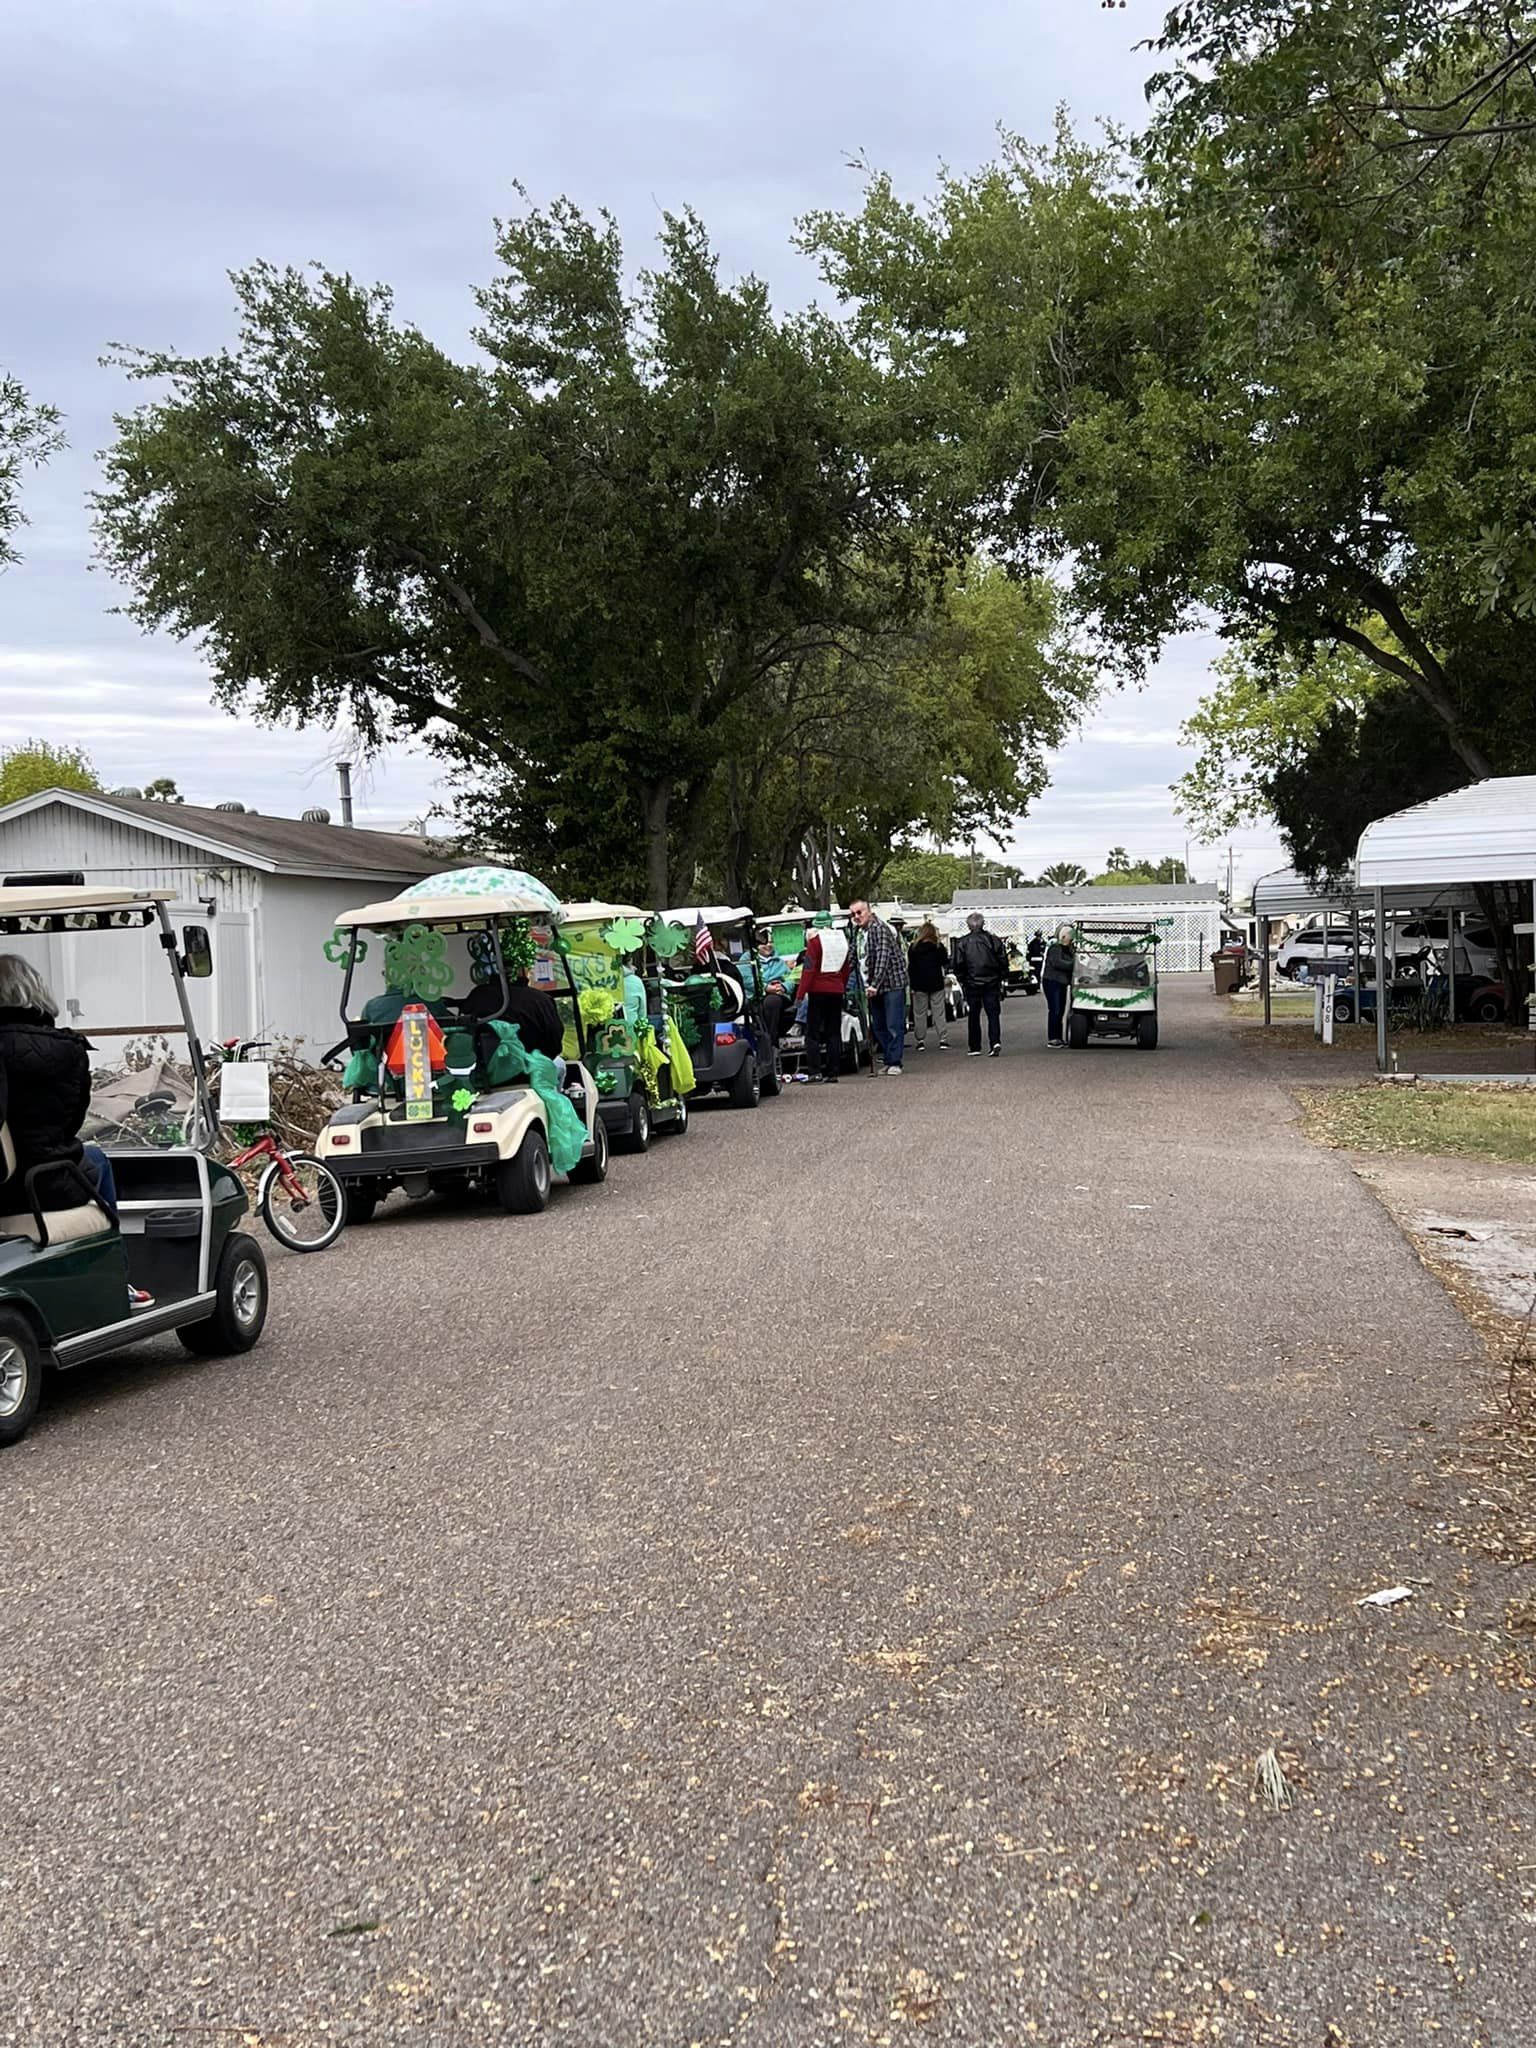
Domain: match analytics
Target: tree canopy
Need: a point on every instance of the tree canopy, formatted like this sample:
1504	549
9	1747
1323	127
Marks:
29	434
35	765
592	569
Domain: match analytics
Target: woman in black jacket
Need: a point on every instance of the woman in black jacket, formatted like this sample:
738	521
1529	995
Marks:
47	1082
1056	980
926	963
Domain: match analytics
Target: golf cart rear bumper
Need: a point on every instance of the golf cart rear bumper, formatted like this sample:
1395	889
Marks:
617	1113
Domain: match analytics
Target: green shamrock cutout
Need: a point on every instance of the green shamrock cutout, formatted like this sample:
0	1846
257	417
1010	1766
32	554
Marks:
624	934
462	1099
415	964
344	948
667	940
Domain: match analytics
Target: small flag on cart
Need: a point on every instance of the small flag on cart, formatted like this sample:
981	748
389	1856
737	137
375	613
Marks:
703	942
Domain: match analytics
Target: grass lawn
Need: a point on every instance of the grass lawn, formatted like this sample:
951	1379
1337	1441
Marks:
1464	1123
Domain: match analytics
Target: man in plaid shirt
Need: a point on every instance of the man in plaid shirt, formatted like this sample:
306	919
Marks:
885	977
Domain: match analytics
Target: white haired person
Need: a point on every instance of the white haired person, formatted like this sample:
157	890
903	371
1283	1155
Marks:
981	961
46	1075
1056	980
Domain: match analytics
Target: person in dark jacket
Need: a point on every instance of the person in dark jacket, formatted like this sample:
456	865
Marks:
1056	980
981	961
925	970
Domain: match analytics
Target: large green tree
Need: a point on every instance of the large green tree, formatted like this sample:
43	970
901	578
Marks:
565	566
1260	364
32	766
29	434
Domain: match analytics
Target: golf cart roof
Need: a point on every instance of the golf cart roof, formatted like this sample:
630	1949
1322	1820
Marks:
600	913
457	910
27	900
712	913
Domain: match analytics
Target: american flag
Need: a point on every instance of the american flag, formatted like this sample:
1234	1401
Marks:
703	942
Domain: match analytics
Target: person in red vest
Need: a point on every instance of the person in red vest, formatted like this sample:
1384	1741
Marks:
824	983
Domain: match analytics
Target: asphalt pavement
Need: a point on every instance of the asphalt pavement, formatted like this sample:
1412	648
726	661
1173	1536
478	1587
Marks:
831	1584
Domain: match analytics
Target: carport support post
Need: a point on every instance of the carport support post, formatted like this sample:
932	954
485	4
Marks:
1379	906
1355	925
1264	964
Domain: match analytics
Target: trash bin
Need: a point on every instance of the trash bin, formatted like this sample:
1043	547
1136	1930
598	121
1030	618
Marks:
1229	973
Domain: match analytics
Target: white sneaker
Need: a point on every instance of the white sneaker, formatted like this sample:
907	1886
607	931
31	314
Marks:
893	1070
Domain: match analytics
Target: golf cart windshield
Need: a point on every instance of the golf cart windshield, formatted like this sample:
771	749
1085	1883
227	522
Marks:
148	1084
1114	957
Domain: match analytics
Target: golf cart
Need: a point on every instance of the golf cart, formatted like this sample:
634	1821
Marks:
639	1062
1114	984
445	1097
705	952
65	1272
789	932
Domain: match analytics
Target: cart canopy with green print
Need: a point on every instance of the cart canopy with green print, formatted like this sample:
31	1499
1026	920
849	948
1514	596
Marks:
448	1092
1114	984
639	1060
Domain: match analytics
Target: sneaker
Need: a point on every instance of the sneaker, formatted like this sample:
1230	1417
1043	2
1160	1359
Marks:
973	1052
917	1044
992	1055
139	1298
943	1045
891	1072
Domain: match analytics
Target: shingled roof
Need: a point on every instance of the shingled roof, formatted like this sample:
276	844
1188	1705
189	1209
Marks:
281	846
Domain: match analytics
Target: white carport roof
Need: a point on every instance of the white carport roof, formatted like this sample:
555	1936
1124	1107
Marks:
1483	833
1287	894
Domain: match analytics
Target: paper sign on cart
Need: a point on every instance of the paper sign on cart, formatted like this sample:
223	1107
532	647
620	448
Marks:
245	1092
416	1046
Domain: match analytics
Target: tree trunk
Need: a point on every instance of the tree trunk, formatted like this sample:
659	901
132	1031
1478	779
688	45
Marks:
656	797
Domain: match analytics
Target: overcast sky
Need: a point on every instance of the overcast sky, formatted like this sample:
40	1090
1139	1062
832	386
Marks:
149	148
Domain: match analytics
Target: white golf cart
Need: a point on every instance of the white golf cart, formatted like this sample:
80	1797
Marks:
444	1100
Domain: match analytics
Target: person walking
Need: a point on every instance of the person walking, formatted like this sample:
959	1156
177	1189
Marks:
823	985
981	961
925	971
1056	980
885	977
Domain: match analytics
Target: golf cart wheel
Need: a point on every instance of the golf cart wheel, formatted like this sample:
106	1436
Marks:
1488	1010
679	1123
310	1220
240	1305
638	1136
773	1080
361	1198
746	1090
523	1181
21	1375
1146	1033
1343	1010
1077	1029
590	1171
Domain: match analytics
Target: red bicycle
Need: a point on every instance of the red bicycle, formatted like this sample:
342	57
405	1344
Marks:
298	1197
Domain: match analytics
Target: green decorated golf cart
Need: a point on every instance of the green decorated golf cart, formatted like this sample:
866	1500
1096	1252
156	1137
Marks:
639	1061
445	1095
714	996
77	1282
787	933
1114	984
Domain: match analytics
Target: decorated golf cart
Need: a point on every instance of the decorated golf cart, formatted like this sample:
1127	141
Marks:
787	934
714	995
1114	984
67	1268
445	1095
639	1060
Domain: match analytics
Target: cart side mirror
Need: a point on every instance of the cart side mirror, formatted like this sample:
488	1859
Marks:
196	952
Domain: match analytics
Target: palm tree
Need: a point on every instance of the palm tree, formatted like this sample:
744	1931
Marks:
1063	874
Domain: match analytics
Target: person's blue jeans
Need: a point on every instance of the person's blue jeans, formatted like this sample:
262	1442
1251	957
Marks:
888	1015
1055	1008
99	1167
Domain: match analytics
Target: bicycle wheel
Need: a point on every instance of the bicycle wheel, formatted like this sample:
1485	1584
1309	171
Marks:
309	1213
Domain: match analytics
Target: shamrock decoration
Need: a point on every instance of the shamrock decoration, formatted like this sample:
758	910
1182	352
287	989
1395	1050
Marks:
342	949
624	934
462	1099
667	940
415	963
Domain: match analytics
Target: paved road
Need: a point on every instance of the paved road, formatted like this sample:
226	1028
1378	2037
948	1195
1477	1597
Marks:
829	1585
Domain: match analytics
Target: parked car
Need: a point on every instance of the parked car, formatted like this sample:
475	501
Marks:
1320	949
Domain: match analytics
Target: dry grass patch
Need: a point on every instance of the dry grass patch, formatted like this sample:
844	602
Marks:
1490	1122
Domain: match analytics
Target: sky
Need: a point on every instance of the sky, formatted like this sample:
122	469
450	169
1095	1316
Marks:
154	147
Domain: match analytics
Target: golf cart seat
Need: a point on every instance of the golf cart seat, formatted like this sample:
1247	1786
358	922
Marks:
51	1226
